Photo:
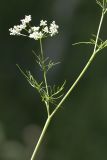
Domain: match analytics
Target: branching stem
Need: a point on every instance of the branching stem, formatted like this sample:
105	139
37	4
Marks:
84	69
44	76
50	116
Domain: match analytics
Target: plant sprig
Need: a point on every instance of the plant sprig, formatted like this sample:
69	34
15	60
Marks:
44	62
99	46
51	94
103	5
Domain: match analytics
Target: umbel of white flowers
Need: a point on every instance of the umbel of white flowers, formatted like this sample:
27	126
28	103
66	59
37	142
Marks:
35	32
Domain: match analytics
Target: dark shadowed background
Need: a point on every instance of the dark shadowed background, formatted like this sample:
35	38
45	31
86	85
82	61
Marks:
79	130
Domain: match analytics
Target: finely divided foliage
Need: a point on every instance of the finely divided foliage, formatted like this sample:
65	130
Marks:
51	94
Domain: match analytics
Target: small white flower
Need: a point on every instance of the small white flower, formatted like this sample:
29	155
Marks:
36	35
43	23
12	31
22	26
46	30
33	29
40	35
15	30
33	35
53	28
26	20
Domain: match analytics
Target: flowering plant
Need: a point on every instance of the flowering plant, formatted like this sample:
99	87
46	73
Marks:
51	94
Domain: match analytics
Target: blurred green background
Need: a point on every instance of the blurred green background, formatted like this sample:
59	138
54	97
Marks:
79	130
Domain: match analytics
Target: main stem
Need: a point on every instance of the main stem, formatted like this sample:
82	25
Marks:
43	66
69	91
44	76
41	138
84	69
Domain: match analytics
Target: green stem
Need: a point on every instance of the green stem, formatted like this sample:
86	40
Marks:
41	138
84	69
47	103
41	48
45	78
69	91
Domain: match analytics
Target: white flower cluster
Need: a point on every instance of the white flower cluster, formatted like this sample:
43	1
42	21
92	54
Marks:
16	30
35	32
